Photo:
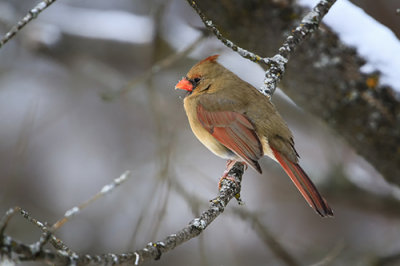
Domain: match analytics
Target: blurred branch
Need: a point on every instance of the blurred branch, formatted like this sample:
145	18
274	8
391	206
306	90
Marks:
267	237
105	190
277	63
11	249
328	259
33	13
161	132
157	67
385	204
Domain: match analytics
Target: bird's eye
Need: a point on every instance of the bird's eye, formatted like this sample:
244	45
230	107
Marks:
196	80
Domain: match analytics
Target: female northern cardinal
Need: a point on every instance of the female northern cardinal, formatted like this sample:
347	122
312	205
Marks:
236	122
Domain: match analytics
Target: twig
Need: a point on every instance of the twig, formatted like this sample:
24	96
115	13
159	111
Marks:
33	13
31	250
57	243
75	210
11	248
210	25
277	63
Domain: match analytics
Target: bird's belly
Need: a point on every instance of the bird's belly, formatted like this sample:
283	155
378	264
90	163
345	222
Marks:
217	148
210	142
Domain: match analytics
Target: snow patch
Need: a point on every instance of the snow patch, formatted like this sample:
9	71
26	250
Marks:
102	24
373	41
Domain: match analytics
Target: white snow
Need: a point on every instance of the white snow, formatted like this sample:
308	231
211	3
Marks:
137	257
107	188
102	24
71	212
373	41
122	178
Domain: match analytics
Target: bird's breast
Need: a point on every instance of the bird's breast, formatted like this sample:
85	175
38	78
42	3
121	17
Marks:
203	135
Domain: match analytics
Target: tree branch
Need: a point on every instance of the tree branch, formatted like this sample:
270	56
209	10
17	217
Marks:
277	63
210	25
12	249
33	13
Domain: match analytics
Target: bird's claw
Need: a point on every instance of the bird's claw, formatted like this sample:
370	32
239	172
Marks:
225	176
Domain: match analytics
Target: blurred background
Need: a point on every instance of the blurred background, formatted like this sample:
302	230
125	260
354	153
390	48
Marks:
80	104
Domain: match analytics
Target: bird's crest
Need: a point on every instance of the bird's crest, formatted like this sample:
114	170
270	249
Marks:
212	58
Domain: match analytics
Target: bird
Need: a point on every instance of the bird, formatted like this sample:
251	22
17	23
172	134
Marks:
238	123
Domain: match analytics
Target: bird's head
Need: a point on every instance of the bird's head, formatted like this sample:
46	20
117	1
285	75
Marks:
200	76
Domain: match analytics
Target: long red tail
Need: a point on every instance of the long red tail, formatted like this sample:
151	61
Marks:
304	185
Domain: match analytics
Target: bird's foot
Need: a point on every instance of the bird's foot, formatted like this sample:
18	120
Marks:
229	165
226	177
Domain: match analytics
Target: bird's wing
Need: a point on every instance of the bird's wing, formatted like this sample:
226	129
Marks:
300	178
235	132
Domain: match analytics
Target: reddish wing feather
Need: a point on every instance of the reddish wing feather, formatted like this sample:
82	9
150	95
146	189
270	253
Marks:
235	132
304	185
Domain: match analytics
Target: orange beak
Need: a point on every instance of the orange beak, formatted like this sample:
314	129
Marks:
184	84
